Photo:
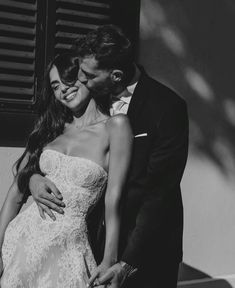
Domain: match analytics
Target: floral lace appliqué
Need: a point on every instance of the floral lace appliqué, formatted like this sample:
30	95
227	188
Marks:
41	253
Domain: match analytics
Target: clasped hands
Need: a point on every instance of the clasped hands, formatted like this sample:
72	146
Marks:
112	277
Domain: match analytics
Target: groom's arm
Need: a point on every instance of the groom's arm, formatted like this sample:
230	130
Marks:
46	195
164	172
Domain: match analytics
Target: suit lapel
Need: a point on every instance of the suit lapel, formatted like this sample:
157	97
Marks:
137	100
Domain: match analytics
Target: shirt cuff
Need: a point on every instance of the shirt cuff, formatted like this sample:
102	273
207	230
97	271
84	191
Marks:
128	270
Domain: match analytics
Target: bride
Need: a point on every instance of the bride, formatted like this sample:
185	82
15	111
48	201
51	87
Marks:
86	153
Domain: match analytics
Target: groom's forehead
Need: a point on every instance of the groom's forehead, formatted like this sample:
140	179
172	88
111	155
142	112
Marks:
90	63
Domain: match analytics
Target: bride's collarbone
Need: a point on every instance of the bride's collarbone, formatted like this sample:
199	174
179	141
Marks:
81	143
90	133
90	127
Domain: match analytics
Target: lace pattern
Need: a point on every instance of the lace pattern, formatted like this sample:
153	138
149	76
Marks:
41	253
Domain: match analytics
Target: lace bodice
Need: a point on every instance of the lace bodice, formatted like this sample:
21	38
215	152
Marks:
50	254
80	180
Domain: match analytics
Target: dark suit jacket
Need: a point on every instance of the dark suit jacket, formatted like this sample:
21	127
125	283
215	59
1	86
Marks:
152	221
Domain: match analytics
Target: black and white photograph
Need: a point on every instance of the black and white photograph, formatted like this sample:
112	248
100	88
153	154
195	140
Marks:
117	144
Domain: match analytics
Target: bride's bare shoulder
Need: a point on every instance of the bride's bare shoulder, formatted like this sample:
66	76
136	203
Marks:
118	120
119	124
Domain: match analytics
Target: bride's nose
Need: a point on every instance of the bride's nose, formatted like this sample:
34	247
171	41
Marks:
64	88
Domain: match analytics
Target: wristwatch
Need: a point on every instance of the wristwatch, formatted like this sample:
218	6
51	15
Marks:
128	269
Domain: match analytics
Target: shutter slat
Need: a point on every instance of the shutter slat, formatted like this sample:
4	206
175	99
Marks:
22	54
18	78
86	3
20	29
16	90
20	17
18	66
62	46
20	101
17	41
17	4
82	14
75	24
66	35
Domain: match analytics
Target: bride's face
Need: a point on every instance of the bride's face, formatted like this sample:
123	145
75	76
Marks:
74	97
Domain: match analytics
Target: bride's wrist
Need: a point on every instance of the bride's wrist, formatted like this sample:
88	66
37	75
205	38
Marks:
108	262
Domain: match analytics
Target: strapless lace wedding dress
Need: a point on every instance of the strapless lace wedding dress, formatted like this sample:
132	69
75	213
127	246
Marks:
41	253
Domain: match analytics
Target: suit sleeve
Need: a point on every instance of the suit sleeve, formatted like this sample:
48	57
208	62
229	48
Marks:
164	172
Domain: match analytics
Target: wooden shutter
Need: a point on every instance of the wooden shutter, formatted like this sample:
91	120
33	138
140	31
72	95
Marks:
77	17
32	32
18	21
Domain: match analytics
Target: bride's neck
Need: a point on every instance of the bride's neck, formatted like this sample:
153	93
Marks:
89	116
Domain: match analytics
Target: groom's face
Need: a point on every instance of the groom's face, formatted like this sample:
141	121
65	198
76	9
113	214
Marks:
97	80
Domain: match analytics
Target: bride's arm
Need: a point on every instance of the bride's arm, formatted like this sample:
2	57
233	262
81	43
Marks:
120	139
119	158
10	208
12	205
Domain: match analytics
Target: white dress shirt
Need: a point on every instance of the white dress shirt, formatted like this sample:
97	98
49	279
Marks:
121	105
121	102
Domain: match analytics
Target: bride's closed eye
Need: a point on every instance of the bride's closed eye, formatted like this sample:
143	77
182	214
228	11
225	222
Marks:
54	88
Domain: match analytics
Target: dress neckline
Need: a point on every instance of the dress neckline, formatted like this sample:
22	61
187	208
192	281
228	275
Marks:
79	157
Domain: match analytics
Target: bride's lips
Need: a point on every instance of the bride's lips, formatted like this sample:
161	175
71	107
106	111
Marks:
70	94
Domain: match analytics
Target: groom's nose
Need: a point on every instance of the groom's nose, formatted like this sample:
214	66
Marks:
82	77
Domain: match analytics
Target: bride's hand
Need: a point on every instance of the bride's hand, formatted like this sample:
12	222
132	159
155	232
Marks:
98	272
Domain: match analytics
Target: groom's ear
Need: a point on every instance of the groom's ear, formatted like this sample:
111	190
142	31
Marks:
116	76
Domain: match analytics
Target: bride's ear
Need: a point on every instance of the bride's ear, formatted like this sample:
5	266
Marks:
116	76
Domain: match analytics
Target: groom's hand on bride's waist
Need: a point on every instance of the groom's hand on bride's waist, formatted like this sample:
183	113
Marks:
46	195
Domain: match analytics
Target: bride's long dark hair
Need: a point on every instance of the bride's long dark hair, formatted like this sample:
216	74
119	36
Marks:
52	116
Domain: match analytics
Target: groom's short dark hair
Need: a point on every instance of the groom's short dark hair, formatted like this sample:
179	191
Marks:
109	46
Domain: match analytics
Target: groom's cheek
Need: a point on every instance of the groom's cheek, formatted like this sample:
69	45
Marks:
97	88
91	85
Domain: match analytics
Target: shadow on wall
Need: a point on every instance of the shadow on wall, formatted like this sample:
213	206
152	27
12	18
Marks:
188	274
188	45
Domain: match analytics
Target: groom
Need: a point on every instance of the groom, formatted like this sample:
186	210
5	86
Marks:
152	221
